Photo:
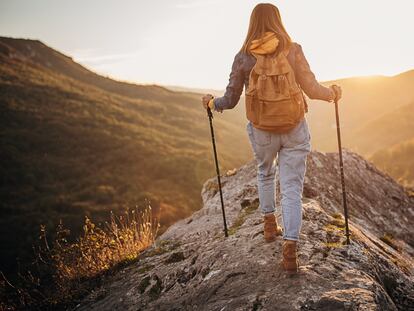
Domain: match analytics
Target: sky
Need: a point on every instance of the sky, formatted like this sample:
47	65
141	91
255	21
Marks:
193	43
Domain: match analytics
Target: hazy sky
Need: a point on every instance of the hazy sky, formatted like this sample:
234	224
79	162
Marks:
193	43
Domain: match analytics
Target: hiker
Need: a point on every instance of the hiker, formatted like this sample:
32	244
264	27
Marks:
274	71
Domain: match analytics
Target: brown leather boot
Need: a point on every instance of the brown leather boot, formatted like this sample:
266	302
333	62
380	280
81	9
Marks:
290	260
271	229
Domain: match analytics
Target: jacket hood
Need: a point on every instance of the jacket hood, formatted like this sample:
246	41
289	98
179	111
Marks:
265	45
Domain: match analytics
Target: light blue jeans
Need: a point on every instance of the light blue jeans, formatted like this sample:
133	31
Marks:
291	150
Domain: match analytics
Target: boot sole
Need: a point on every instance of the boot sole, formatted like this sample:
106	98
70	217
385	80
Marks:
289	272
270	239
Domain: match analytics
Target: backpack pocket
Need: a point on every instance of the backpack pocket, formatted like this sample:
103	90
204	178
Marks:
252	111
277	113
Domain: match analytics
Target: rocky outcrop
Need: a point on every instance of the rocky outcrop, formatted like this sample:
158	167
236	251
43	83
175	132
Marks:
376	202
192	266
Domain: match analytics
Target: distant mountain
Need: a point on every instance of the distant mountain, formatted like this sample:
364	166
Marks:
385	131
375	112
398	161
364	100
376	115
75	143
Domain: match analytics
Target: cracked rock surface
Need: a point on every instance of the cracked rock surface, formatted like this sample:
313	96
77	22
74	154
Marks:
192	266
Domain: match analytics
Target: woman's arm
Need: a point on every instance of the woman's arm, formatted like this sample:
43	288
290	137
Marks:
307	80
234	88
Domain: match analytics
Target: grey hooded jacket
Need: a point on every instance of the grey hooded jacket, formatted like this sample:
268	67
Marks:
243	64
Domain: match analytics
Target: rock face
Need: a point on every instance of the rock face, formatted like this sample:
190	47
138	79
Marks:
192	266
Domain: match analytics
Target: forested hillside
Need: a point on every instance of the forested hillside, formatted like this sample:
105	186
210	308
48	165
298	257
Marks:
74	143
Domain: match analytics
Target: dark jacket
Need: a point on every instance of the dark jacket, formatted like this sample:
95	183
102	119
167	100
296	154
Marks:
243	64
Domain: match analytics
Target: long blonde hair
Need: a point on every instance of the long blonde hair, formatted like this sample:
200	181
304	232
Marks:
266	17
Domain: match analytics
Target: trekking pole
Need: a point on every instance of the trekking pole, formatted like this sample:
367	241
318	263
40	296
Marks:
341	166
210	117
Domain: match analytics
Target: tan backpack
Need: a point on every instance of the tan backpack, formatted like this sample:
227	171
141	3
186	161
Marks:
274	101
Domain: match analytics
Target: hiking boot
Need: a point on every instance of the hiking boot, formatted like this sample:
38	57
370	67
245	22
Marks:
290	260
271	229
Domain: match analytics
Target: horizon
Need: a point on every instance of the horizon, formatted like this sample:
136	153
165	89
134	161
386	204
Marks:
324	81
142	60
201	88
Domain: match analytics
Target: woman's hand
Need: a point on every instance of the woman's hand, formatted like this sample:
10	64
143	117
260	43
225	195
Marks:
336	92
205	99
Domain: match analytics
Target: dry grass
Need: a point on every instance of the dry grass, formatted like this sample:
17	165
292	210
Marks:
337	221
99	249
64	272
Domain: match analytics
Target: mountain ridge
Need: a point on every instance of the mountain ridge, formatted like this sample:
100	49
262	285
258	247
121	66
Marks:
39	53
192	266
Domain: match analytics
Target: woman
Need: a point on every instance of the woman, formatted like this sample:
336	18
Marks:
267	35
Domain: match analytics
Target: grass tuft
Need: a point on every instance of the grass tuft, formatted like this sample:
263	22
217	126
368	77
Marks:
64	272
337	215
333	245
338	222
